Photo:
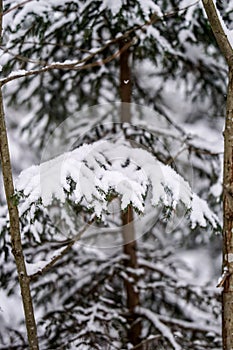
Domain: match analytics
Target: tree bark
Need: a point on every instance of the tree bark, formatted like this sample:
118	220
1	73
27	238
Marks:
125	83
17	250
227	297
128	232
218	31
130	249
227	294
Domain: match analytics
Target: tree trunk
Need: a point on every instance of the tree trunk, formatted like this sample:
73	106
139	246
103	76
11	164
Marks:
227	281
130	249
17	251
125	83
128	234
227	322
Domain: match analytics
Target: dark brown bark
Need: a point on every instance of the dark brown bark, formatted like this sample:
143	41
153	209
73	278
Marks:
130	249
227	322
218	31
227	295
125	83
128	233
17	250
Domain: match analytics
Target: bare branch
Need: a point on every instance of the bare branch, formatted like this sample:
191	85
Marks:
192	326
22	58
62	253
15	7
146	342
127	36
76	65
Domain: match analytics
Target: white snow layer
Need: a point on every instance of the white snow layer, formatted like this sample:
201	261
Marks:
147	6
163	329
103	167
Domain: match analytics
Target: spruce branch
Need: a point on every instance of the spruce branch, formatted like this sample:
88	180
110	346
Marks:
128	38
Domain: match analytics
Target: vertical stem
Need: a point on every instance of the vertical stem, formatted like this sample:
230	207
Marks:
227	298
130	249
125	83
17	250
14	224
128	233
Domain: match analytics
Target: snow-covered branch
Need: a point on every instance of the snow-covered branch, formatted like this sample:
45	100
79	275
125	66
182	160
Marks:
67	65
193	326
92	175
82	64
56	256
161	327
15	7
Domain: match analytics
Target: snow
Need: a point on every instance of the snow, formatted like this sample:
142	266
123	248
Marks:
162	328
50	179
17	73
229	257
102	168
149	6
201	212
216	189
11	308
113	6
37	267
33	268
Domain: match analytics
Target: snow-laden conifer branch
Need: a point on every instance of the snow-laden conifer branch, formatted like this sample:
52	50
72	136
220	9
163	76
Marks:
92	175
161	327
67	65
15	7
128	35
193	325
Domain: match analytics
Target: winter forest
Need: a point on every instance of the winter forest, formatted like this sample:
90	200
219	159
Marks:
116	188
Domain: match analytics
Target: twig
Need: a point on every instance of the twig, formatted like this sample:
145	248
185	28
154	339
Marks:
192	326
15	7
146	342
62	253
22	58
75	66
63	65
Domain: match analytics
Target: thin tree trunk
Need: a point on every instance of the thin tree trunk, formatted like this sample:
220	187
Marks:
17	250
130	249
227	281
125	83
15	226
227	298
128	232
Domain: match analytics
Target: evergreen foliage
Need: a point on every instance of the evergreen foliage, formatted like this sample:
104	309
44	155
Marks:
80	301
